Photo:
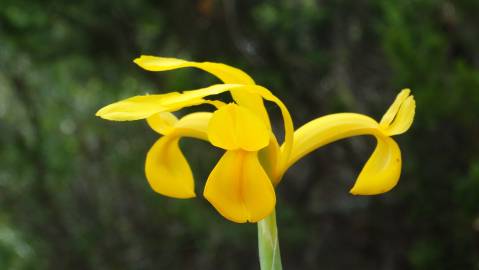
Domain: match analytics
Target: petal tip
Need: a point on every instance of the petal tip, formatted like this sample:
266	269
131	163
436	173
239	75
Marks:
358	191
400	115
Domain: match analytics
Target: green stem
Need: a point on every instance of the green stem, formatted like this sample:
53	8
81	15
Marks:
268	243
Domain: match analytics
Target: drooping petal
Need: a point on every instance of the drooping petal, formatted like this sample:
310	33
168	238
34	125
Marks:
234	127
239	188
162	123
167	170
225	73
382	170
327	129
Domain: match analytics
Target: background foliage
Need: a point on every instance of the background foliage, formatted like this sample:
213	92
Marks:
72	190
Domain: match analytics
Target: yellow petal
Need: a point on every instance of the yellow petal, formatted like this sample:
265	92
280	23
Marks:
234	127
167	170
141	107
225	73
327	129
253	102
404	118
162	122
194	125
287	121
380	173
400	115
239	188
382	170
388	117
269	157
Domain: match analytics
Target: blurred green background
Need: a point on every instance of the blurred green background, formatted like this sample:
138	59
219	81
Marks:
72	190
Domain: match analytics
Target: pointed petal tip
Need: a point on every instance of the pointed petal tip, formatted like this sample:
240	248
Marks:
103	113
400	115
183	195
141	58
405	91
361	191
186	195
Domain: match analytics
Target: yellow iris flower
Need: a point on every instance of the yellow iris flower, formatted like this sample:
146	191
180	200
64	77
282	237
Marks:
241	185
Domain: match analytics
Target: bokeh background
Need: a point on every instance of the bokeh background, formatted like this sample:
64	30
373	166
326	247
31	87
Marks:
72	190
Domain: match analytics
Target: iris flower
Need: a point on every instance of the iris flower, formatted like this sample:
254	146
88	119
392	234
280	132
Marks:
242	184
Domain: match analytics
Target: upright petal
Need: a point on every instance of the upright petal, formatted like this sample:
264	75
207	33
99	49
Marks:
167	170
400	115
225	73
234	127
389	115
239	188
404	118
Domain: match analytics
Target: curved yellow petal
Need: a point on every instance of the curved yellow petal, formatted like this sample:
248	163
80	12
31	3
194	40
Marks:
400	115
269	157
234	127
381	172
327	129
239	188
388	117
193	125
287	122
225	73
404	118
167	170
141	107
162	122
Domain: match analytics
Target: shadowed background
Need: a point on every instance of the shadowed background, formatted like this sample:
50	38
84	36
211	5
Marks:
73	194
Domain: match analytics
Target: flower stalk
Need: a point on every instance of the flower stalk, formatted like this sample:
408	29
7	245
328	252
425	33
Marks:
268	243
